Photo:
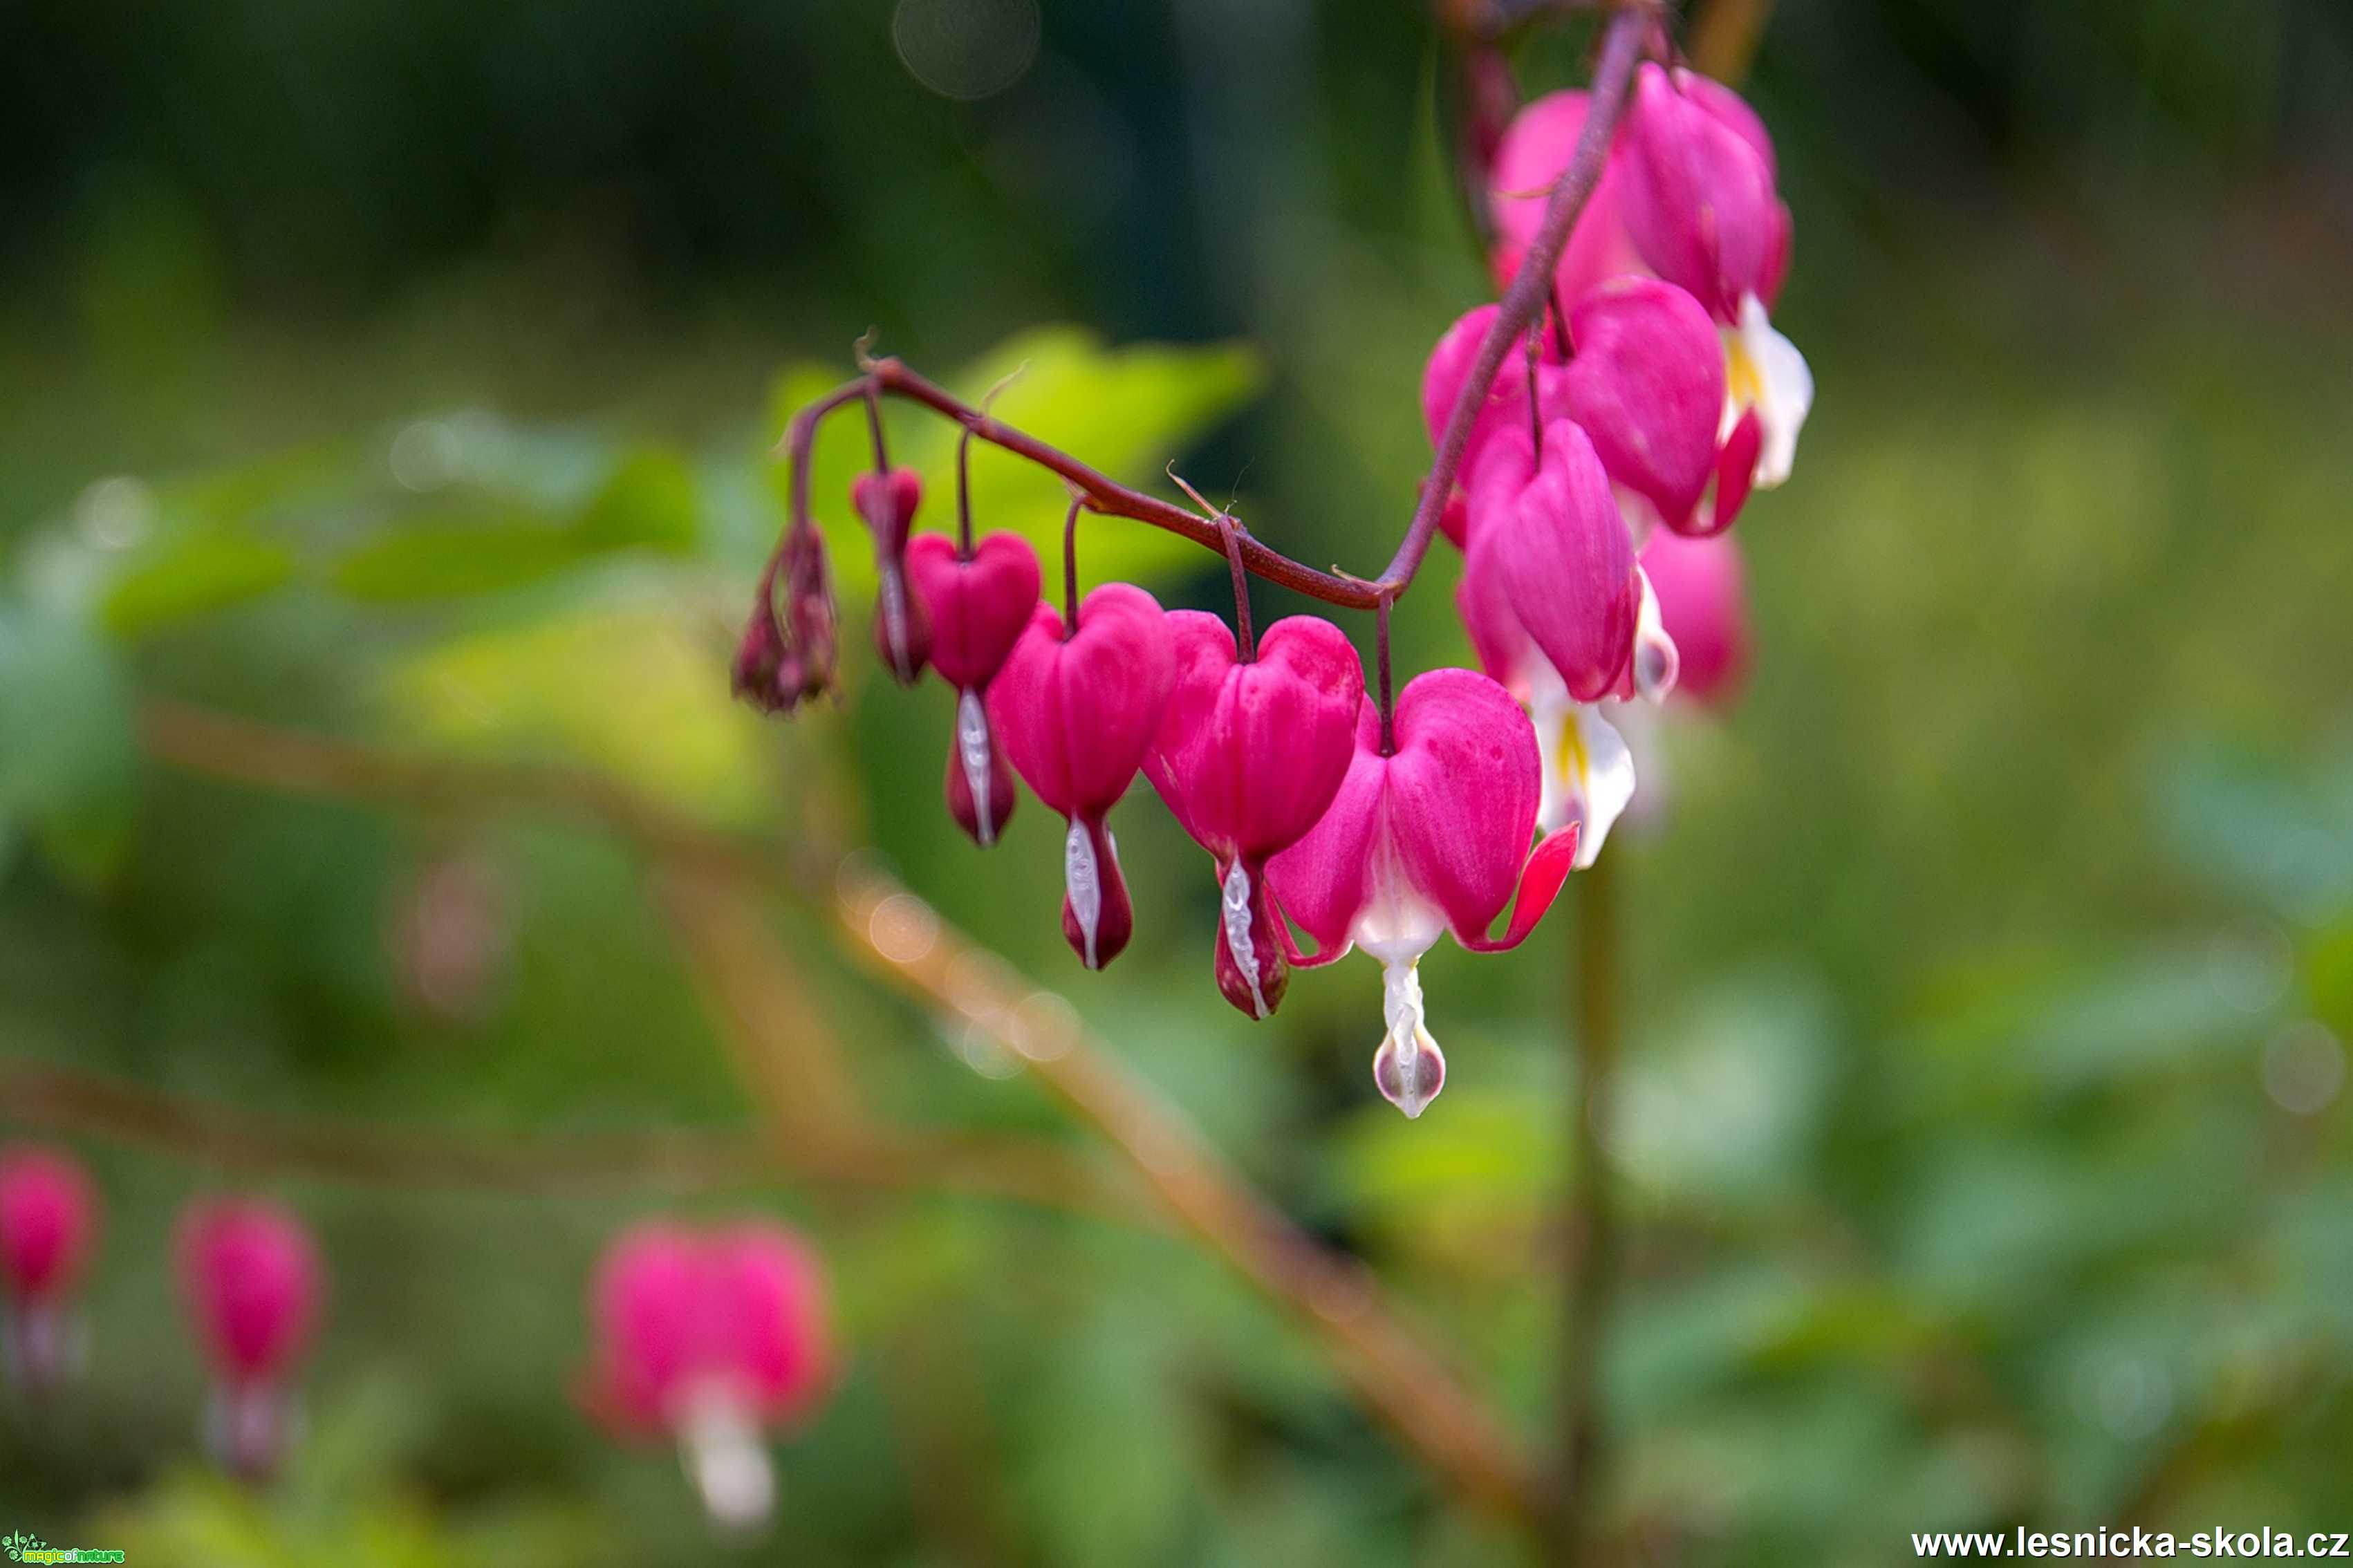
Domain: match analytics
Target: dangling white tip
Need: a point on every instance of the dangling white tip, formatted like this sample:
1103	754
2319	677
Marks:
728	1463
1408	1069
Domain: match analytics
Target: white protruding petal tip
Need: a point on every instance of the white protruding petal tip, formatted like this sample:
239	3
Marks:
1785	391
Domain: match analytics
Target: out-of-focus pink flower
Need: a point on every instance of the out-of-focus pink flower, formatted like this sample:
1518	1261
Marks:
1430	837
48	1228
250	1277
1647	386
1704	603
888	502
48	1222
977	609
1077	712
1534	152
711	1339
1697	188
1248	755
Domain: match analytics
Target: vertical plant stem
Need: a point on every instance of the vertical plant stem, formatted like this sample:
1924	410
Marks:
1590	1212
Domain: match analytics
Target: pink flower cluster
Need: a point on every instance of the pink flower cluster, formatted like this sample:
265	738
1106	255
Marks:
1610	455
1603	465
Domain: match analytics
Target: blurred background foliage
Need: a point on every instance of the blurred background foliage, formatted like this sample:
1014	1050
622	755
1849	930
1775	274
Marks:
408	372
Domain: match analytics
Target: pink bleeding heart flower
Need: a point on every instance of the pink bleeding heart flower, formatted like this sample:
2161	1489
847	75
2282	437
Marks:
1077	712
1697	191
711	1339
48	1227
1429	836
1534	150
1505	407
1566	566
1702	601
781	663
250	1277
1247	756
977	606
888	502
1647	386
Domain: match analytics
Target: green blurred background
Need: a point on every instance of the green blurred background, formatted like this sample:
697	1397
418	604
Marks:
405	372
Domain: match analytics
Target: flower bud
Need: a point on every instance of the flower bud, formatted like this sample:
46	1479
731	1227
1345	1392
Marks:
781	663
1076	711
887	504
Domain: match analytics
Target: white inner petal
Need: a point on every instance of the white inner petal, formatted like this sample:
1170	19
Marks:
972	753
1235	907
1588	773
1083	881
1765	371
1656	662
721	1451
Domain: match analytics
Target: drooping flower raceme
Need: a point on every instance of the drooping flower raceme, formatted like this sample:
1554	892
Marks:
1431	837
48	1227
978	607
1248	755
250	1277
888	501
710	1339
1696	186
1077	708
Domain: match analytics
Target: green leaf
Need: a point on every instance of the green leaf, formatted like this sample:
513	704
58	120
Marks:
194	574
648	502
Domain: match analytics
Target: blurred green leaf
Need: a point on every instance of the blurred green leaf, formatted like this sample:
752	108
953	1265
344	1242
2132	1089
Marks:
67	750
440	554
633	692
194	574
649	501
